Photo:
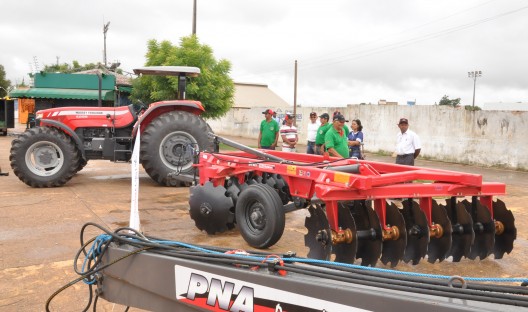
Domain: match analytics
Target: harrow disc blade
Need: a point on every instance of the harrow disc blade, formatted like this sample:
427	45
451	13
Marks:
463	234
211	209
393	250
484	228
346	252
417	232
438	248
271	182
233	189
281	187
253	179
319	237
504	241
370	242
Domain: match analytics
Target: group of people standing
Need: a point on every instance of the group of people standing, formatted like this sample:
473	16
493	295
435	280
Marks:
334	138
270	130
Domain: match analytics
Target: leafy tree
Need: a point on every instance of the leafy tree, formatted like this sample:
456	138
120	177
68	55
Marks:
214	88
4	83
70	68
472	108
446	101
74	67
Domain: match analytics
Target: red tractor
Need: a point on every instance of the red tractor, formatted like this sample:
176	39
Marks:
64	139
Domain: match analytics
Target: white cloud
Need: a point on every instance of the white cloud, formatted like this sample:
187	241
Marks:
348	51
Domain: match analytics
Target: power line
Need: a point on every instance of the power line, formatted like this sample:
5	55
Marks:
375	41
308	65
377	50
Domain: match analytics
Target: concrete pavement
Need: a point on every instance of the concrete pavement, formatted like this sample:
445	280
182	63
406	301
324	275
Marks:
39	228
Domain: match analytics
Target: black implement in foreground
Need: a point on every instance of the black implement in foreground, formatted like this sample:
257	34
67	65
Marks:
158	275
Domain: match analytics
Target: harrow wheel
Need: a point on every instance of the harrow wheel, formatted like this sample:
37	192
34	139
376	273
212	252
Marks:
484	228
210	208
440	241
346	251
417	231
369	233
394	246
504	240
260	216
319	236
463	234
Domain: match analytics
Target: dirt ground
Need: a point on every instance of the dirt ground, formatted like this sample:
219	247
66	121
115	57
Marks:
39	229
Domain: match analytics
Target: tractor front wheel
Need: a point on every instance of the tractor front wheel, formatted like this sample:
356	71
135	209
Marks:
44	157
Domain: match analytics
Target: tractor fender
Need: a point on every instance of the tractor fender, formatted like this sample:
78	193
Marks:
158	108
69	131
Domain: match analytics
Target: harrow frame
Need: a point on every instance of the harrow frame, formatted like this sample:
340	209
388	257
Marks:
324	180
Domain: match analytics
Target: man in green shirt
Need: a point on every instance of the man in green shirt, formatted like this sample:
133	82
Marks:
320	137
269	131
336	141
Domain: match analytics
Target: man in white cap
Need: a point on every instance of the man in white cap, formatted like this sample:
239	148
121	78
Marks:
289	135
311	134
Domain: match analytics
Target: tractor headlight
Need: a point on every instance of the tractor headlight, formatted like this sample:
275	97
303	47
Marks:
39	116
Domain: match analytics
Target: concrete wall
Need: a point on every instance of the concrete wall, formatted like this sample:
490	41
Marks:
489	138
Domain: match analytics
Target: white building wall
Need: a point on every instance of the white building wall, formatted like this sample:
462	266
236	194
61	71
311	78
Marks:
489	138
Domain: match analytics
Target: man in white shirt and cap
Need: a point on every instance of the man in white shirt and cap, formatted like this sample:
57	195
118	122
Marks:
313	126
408	145
289	135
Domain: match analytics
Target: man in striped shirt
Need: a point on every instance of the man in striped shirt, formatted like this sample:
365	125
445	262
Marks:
289	135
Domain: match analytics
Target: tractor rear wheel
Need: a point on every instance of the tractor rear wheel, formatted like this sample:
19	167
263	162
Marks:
168	144
44	157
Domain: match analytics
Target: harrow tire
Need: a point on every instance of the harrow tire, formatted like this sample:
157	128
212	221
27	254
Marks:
166	145
44	157
259	215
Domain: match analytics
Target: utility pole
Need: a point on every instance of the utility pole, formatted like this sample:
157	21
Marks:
105	30
194	18
295	96
474	75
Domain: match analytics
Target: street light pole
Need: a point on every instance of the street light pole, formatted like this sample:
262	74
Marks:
295	95
105	30
474	75
194	18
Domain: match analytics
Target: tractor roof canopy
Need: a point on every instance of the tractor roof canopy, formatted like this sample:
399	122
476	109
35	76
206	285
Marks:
168	71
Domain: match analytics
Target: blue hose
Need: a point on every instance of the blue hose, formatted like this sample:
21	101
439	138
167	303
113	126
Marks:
103	238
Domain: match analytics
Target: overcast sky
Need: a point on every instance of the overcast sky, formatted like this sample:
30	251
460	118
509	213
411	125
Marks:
348	51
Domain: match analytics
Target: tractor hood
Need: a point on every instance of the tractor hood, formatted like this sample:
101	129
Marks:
81	117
